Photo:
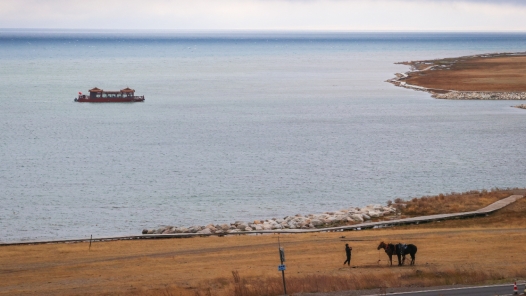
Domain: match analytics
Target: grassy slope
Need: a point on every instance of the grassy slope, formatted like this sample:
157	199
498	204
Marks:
457	251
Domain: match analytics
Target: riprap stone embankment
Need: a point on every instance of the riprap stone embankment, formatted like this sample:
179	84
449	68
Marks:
480	95
311	221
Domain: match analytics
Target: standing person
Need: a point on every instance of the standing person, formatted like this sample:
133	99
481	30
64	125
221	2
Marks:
348	253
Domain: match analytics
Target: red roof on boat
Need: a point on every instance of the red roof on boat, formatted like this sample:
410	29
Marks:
127	90
124	90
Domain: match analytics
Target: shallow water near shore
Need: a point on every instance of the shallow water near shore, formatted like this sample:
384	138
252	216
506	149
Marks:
235	126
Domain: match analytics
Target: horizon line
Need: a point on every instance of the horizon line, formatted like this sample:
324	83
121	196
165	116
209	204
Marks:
264	30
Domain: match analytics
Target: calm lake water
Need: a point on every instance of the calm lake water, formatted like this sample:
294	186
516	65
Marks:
235	126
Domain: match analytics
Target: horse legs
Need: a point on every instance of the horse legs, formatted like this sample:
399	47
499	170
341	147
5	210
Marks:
390	260
412	259
403	260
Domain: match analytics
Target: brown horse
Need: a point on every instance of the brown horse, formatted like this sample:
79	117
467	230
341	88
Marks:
390	250
400	251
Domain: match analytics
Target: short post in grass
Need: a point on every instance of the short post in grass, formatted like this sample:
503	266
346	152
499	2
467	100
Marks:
282	266
90	238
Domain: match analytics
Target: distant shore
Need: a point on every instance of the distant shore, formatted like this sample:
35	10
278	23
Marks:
497	76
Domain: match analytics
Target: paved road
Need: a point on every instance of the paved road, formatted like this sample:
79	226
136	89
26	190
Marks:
500	290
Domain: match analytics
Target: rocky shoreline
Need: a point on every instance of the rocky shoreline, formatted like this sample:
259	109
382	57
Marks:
348	216
480	95
444	64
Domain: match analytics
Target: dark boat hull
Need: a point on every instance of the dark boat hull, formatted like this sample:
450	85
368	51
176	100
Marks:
110	100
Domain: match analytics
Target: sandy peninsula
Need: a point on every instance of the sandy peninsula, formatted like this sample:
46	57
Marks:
499	76
468	251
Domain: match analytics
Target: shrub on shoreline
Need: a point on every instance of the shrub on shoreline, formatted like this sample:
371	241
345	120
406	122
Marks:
451	202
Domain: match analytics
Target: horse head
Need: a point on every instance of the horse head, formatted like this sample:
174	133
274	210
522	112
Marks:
382	245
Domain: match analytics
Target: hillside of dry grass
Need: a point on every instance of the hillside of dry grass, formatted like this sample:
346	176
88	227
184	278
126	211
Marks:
470	251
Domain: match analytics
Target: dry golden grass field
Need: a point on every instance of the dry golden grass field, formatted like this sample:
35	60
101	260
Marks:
500	73
469	251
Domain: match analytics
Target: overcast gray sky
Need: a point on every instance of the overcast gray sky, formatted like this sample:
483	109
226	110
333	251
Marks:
348	15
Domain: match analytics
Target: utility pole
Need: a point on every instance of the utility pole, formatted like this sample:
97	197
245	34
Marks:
282	266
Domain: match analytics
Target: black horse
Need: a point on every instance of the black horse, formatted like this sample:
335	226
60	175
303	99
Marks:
403	250
400	250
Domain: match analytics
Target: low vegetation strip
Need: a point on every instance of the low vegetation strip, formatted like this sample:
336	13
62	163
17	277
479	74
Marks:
453	202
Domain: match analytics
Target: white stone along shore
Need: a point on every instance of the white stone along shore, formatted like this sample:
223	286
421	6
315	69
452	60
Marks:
311	221
480	95
459	95
400	78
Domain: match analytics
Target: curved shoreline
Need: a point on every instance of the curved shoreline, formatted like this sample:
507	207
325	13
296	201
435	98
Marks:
418	67
367	225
